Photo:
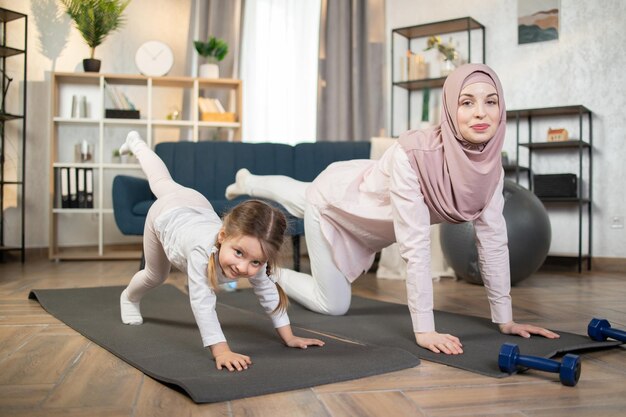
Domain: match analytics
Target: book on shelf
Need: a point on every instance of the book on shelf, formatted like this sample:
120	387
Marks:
212	110
122	107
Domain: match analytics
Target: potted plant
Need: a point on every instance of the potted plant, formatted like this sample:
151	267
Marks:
214	50
95	19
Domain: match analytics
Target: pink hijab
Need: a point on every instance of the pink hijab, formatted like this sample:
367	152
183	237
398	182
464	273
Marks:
457	178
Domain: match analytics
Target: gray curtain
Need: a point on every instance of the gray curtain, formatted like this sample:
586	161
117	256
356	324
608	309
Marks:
222	19
351	99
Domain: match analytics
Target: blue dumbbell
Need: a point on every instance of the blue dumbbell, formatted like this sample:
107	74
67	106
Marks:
568	370
600	330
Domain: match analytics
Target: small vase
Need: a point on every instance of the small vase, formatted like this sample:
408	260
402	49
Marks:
91	65
209	71
447	67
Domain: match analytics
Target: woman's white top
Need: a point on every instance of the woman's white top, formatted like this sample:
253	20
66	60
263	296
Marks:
187	235
366	205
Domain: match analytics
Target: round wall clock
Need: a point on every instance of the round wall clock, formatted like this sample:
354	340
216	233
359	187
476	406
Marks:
154	58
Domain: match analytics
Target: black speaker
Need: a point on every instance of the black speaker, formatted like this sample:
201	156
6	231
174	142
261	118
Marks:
555	185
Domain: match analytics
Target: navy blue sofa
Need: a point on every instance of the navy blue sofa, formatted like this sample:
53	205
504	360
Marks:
209	167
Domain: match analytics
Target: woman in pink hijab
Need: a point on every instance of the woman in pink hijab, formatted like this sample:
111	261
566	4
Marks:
447	173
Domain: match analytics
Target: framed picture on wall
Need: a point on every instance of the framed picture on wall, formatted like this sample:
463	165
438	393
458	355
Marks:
537	21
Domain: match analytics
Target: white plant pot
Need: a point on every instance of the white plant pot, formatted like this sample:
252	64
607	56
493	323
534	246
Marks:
209	71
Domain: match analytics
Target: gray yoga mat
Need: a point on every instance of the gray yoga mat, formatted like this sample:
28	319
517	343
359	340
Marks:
387	324
167	346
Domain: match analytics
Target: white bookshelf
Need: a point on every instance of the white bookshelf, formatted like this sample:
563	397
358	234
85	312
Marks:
91	233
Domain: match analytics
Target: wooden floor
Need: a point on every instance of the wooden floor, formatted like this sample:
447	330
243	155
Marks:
47	369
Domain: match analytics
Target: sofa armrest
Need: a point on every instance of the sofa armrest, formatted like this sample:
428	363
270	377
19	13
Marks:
127	193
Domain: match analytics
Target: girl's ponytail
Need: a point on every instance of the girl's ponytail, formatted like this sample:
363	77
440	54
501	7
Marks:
211	270
283	300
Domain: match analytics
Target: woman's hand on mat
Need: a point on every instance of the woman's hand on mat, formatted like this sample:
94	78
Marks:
290	340
526	330
439	342
302	343
226	358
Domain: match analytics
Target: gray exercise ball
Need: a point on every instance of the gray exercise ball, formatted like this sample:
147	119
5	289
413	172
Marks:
529	233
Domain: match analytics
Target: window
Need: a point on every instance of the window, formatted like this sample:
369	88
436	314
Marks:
279	70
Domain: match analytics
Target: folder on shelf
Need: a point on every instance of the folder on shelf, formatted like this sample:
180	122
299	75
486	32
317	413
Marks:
80	187
65	193
88	188
73	188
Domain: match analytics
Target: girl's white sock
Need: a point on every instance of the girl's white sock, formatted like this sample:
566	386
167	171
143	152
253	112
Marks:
132	140
239	186
130	311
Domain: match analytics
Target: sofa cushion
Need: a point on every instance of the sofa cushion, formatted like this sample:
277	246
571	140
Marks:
312	158
210	167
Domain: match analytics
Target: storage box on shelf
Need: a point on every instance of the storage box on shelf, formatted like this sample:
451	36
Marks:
167	108
411	74
12	131
579	146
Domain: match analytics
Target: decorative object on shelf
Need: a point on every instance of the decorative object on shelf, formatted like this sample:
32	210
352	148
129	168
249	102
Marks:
83	151
95	20
537	21
555	185
173	113
415	68
448	51
79	107
214	50
557	135
154	58
127	158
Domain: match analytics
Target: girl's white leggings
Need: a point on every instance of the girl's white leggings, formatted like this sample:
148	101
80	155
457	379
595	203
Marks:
169	195
326	290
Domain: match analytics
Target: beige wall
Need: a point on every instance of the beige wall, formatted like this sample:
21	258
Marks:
54	45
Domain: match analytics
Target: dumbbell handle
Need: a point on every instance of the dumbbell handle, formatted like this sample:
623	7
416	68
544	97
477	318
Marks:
614	334
541	364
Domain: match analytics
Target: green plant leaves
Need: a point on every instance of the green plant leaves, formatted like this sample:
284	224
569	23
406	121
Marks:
213	47
95	19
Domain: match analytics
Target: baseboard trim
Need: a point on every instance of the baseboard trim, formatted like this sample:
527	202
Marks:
609	264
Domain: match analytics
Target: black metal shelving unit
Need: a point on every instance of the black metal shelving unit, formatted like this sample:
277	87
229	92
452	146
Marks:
407	35
8	54
584	199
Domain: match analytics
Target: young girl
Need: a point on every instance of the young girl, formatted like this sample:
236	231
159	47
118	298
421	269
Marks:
183	229
451	172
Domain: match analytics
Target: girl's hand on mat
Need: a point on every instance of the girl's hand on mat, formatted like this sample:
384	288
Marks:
224	357
302	343
526	330
439	343
232	361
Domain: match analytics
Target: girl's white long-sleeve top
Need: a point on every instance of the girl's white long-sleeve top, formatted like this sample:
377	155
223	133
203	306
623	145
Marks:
366	205
187	235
